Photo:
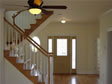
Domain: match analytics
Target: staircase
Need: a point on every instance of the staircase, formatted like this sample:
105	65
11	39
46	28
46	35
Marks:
33	61
28	22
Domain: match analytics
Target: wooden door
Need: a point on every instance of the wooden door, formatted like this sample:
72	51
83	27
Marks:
61	54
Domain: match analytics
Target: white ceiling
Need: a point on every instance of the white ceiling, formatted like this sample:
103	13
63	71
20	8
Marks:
78	11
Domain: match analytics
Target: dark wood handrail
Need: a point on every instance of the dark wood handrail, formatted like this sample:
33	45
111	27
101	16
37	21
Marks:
18	30
25	34
29	39
39	22
44	17
14	17
19	13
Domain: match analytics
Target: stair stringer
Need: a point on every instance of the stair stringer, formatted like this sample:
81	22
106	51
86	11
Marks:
13	76
40	23
11	60
19	67
42	26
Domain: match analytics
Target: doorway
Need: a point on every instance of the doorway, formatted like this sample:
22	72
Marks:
64	49
109	57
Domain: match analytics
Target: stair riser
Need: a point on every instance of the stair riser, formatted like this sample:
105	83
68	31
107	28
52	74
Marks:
19	66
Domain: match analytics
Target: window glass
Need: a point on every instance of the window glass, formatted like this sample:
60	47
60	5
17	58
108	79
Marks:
73	53
61	47
50	45
36	39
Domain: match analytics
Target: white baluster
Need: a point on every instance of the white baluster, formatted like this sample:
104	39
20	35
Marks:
16	44
23	22
38	61
51	70
22	49
13	43
29	57
34	55
41	67
30	53
8	37
16	35
12	35
26	53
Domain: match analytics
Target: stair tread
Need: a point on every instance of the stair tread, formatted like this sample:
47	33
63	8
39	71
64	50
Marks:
38	22
19	66
13	59
40	83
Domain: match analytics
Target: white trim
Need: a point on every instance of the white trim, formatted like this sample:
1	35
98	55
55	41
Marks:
107	12
87	73
62	34
41	27
100	81
2	73
109	29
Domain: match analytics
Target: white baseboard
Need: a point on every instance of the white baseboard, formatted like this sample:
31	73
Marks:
87	73
100	81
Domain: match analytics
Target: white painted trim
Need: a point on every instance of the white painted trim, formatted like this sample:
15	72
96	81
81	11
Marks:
109	29
2	73
14	76
107	12
62	34
87	73
41	27
100	81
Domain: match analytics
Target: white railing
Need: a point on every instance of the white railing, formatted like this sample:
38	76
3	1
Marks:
23	20
34	58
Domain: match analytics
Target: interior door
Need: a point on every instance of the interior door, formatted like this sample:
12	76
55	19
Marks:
61	54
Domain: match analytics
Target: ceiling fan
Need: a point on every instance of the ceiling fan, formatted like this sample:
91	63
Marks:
37	5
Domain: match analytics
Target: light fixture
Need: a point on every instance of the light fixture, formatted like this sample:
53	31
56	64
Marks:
63	21
35	11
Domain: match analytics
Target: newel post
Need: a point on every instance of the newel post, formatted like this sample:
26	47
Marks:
49	69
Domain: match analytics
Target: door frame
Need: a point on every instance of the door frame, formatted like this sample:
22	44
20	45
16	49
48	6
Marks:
73	71
70	45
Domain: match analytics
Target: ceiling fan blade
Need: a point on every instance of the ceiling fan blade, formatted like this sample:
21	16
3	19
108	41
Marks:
15	5
44	11
26	6
54	7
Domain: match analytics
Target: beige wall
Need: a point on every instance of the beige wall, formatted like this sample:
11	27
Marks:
105	25
86	42
1	47
23	20
13	76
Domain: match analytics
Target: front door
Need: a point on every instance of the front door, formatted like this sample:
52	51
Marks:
64	49
61	55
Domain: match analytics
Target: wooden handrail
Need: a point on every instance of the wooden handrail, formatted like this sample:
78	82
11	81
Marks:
39	22
44	17
13	26
19	13
39	46
29	39
26	35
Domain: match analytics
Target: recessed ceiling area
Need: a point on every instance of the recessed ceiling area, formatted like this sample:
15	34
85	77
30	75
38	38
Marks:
78	11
